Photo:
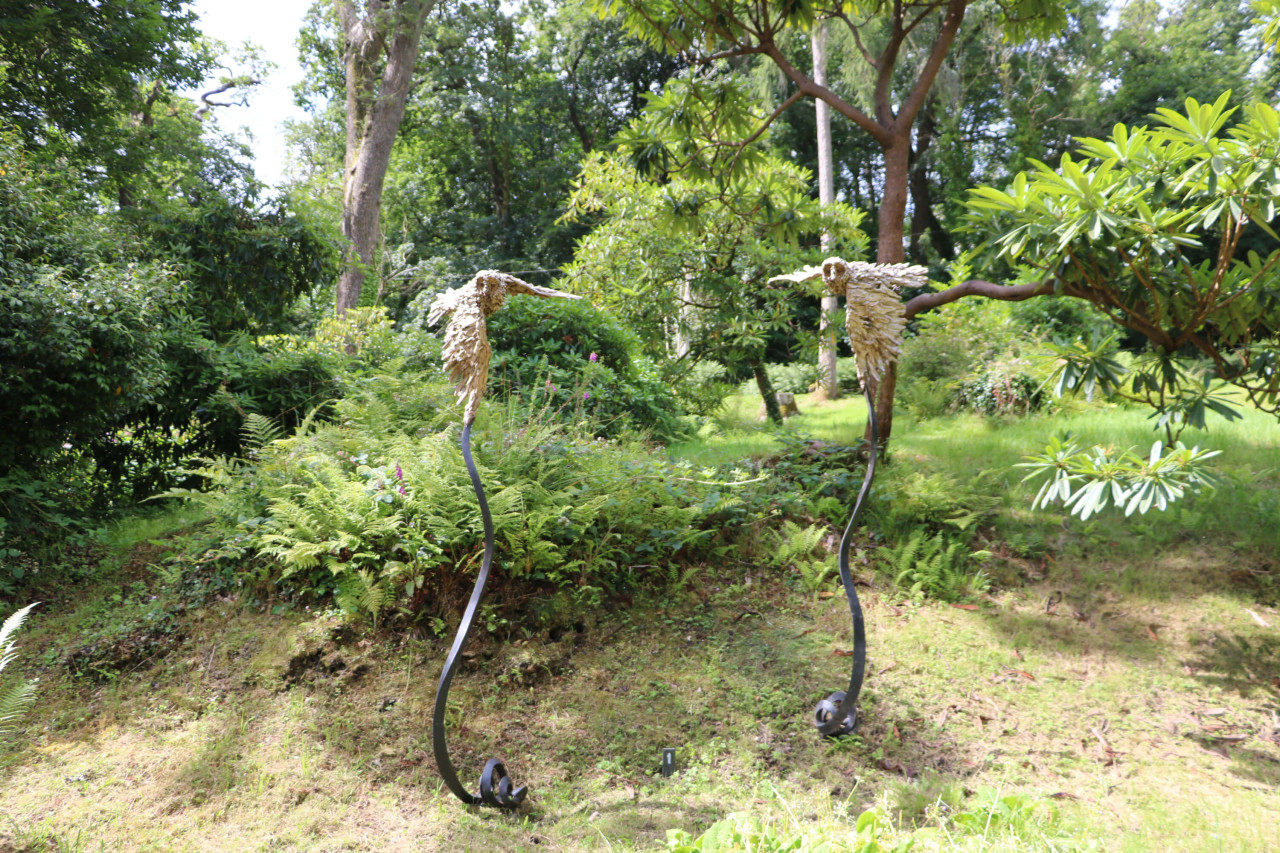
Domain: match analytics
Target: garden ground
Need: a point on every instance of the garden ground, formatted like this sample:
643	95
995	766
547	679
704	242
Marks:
1121	686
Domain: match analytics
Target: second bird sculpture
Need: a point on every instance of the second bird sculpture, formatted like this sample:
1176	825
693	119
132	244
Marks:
875	319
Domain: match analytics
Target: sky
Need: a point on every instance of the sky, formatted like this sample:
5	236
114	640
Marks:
272	25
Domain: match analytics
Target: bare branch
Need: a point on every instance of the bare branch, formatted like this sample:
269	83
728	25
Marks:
979	287
951	22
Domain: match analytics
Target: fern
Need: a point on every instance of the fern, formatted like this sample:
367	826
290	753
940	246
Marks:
259	431
360	592
15	698
795	543
937	567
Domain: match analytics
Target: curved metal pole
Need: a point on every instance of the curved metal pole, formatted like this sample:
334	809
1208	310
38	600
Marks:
838	713
496	787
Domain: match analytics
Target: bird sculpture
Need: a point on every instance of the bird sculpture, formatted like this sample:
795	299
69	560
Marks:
875	318
874	314
466	340
466	355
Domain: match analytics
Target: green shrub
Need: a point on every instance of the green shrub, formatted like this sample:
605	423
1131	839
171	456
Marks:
946	347
1001	388
80	355
703	391
381	514
543	356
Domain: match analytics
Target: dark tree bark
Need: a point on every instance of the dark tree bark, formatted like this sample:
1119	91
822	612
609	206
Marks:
381	46
770	397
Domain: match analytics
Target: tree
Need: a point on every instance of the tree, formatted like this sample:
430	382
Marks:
380	49
709	32
700	252
1168	231
73	68
827	374
1160	54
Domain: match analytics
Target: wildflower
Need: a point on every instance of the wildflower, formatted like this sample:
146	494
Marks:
586	395
402	490
399	473
593	358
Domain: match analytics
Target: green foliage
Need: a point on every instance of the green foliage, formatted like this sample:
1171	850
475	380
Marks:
244	264
1182	391
794	547
686	262
937	502
381	513
74	358
15	697
949	348
938	567
542	355
77	69
1000	388
1088	481
800	377
1167	231
1268	12
817	476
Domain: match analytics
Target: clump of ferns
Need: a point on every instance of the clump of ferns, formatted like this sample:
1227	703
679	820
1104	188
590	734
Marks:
802	550
17	696
938	567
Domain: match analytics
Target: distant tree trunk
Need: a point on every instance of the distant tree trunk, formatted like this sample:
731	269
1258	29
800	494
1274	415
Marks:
828	377
923	220
770	397
381	46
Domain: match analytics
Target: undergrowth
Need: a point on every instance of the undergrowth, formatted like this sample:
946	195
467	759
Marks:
379	513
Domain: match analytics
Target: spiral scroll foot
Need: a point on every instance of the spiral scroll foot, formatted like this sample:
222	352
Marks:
826	712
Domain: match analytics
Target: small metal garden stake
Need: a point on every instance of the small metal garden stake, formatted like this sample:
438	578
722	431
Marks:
875	319
466	357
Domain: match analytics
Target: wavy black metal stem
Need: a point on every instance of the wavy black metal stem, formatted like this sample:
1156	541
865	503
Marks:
838	713
496	787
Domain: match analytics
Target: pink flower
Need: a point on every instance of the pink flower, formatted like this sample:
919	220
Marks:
594	358
586	395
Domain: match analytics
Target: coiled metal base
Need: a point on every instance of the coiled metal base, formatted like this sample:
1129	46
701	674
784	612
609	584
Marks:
496	787
837	714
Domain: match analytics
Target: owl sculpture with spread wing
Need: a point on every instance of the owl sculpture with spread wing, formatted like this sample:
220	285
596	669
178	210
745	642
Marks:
874	313
466	340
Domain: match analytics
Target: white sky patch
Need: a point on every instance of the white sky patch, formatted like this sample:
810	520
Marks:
272	25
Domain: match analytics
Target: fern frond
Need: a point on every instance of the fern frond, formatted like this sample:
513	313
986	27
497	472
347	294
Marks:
15	698
259	431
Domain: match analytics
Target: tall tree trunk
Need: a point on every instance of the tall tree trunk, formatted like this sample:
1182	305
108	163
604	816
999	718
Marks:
923	220
381	48
770	397
827	372
889	250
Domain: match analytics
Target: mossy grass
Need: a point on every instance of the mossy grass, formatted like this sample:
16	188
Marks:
1116	687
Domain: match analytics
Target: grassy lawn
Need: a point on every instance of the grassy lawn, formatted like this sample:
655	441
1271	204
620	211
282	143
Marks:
1121	685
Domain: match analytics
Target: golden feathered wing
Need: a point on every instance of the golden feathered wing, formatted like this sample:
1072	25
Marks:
874	313
466	349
